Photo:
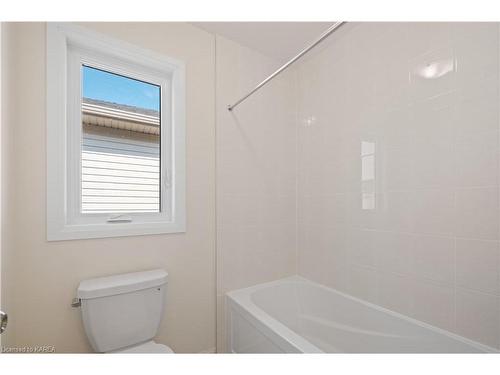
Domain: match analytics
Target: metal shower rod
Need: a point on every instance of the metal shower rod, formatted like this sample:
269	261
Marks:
323	36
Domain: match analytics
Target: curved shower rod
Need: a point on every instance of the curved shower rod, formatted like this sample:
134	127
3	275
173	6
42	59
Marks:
323	36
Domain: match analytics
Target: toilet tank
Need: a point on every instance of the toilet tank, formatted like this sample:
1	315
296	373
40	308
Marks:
122	310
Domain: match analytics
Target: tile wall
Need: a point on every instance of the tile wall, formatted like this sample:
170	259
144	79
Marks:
256	175
398	170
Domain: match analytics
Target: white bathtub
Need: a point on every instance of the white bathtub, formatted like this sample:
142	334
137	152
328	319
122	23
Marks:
295	315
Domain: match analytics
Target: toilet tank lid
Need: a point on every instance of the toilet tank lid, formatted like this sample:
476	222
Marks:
119	284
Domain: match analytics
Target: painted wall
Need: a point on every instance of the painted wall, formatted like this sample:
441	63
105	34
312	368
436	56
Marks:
5	147
398	171
256	179
39	277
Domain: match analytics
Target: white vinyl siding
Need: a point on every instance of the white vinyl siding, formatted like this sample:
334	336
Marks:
119	175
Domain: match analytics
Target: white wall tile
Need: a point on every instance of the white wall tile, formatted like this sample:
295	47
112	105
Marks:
477	114
393	251
398	211
478	265
434	211
434	304
395	292
363	283
432	74
256	175
422	37
363	252
430	108
477	160
434	258
426	94
398	167
476	214
476	47
477	317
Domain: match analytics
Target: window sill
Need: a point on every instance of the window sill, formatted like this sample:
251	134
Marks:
88	231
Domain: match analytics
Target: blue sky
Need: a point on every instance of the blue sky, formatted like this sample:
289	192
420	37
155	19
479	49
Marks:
101	85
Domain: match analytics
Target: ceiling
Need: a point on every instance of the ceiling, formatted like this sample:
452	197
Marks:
278	40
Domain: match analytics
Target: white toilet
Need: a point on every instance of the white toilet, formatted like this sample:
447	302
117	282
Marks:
122	313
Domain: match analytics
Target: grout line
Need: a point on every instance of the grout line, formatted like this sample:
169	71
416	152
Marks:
296	88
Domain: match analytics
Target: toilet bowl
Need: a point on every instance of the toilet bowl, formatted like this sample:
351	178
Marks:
122	313
147	347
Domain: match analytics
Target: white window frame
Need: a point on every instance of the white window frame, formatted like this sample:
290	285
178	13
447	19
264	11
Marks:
68	48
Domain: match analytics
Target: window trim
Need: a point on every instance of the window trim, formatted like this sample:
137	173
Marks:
69	46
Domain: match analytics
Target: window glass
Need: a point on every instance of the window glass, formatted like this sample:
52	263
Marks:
120	150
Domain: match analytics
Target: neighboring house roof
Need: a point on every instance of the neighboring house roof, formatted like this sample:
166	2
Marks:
120	116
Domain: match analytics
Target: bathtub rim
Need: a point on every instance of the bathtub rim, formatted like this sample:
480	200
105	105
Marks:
273	329
241	300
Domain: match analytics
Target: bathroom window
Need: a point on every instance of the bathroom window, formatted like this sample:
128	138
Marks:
115	138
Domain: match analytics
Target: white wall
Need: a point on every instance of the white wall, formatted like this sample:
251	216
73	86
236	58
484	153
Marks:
256	179
430	247
41	277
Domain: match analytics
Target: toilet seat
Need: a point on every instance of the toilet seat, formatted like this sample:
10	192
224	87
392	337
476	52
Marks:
146	347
